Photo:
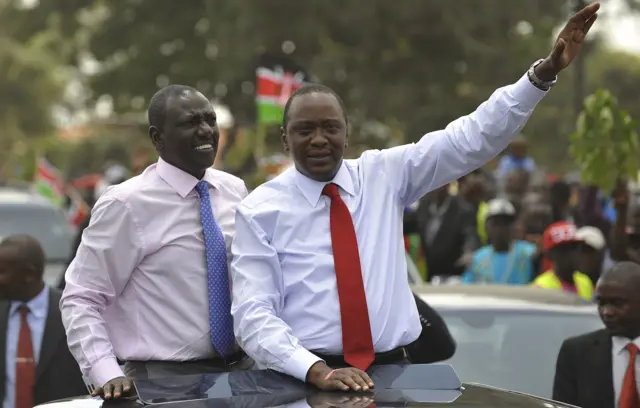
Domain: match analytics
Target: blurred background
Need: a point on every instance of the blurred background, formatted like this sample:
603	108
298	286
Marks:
76	76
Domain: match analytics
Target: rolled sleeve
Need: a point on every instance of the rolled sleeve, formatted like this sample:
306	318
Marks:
466	144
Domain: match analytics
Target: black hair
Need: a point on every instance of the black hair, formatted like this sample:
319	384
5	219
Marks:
309	89
158	104
29	250
561	191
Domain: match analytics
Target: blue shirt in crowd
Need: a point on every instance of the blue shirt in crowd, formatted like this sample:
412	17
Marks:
513	267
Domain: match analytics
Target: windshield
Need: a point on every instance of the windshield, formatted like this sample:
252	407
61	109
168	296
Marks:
47	225
515	350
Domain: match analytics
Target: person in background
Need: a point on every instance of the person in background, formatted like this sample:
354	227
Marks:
447	228
505	260
517	158
149	285
625	234
473	191
593	252
36	365
535	220
562	246
601	369
560	199
516	185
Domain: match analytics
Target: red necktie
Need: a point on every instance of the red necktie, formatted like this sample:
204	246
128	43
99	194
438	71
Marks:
356	329
25	364
629	394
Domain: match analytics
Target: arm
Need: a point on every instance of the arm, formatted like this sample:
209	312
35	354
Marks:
465	144
565	388
258	299
110	250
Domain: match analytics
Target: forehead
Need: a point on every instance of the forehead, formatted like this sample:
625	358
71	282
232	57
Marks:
188	102
315	106
614	287
10	254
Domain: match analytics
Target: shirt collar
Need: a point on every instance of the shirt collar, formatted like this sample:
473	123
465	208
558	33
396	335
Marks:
619	343
38	306
182	182
312	190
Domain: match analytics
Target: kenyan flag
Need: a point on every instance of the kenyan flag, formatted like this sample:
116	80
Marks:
276	79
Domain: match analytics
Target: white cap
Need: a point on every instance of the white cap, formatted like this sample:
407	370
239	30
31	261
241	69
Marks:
500	206
591	236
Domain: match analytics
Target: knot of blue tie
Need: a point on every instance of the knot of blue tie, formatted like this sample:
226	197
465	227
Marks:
220	320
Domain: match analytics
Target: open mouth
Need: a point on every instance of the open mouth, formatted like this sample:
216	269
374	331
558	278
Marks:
207	147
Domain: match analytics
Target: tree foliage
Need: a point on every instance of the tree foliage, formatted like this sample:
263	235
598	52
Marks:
605	143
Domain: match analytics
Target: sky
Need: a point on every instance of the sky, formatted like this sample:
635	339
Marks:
621	28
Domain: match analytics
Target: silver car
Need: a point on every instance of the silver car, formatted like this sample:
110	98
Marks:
23	212
509	336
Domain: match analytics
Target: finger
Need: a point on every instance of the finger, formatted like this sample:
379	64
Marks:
117	391
586	13
348	381
589	23
126	387
365	377
97	391
359	380
338	384
108	390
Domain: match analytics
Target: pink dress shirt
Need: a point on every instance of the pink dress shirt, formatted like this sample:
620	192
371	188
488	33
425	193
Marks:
137	288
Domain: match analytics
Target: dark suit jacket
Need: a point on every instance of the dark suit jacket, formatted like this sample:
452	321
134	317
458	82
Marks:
457	233
584	374
57	374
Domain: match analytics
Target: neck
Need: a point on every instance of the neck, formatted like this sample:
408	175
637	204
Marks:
31	293
565	275
501	246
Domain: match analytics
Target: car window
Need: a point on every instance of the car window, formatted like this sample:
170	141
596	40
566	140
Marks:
47	225
513	350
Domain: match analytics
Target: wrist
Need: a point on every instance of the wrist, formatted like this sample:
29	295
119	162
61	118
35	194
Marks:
317	371
545	71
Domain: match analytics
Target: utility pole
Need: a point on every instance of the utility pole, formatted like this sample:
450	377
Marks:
579	67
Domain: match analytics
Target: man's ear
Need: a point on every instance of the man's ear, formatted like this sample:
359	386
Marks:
156	137
285	141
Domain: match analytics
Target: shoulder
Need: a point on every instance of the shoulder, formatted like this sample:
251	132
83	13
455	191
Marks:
228	181
271	194
527	247
584	340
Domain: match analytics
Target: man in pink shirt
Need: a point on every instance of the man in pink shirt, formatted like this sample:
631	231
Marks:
149	284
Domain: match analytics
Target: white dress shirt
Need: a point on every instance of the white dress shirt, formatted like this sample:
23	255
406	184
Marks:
620	362
137	288
285	300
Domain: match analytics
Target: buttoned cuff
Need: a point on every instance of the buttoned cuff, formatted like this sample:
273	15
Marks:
527	94
299	363
104	371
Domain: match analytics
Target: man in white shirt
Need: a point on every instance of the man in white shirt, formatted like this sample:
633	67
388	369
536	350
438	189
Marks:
319	269
149	284
601	369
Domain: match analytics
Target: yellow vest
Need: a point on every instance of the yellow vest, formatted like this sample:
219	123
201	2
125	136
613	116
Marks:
481	218
550	280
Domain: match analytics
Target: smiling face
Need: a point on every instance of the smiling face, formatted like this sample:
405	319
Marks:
316	134
188	138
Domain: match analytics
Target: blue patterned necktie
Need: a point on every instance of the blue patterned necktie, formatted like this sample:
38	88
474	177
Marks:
220	320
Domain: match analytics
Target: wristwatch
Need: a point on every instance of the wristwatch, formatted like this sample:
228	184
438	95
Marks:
537	82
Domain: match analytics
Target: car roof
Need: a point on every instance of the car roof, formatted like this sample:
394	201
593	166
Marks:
11	196
520	297
396	385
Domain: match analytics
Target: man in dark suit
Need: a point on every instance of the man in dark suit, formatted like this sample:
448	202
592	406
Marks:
447	228
600	369
37	365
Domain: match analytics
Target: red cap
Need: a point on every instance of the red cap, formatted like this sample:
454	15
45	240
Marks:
559	233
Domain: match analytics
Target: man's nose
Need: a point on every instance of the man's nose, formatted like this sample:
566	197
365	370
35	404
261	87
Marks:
318	138
607	310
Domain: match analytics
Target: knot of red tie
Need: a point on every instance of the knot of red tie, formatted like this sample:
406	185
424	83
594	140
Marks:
331	190
632	349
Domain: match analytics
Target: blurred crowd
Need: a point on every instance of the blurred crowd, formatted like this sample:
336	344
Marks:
520	225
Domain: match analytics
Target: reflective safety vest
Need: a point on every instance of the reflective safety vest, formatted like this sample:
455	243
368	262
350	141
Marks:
481	218
549	280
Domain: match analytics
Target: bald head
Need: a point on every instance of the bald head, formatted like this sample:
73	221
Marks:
25	251
623	273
